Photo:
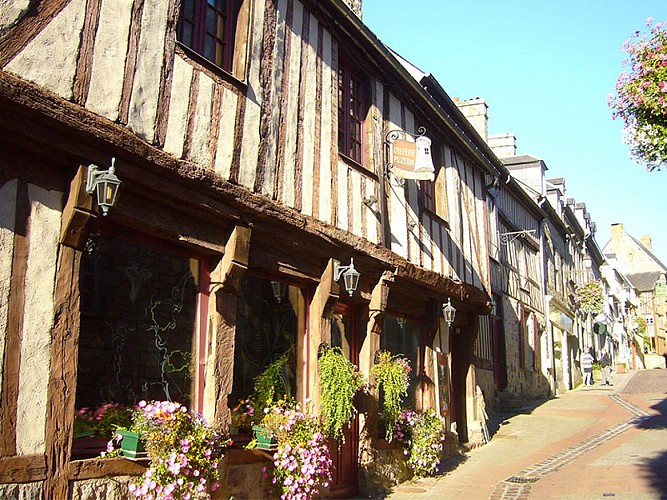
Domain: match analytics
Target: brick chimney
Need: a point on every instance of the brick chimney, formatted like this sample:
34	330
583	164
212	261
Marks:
646	241
616	234
503	145
355	6
476	111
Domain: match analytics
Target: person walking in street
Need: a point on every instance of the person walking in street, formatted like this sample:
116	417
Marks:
605	363
587	366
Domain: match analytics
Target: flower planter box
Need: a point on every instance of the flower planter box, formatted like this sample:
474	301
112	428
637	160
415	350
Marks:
131	446
265	438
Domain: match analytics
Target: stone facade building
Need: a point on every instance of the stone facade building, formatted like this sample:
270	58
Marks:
635	259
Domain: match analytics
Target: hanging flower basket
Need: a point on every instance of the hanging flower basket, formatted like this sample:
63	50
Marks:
132	446
266	440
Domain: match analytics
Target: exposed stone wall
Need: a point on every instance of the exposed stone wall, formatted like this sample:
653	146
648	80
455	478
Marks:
244	481
387	469
115	488
22	491
524	383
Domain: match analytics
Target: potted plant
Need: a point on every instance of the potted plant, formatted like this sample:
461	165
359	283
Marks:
340	380
423	435
94	427
302	462
392	377
184	451
270	386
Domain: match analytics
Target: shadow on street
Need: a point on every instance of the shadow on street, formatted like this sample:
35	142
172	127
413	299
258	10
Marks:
656	468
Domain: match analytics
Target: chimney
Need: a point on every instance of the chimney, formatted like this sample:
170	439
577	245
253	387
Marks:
616	233
646	241
355	6
503	145
476	111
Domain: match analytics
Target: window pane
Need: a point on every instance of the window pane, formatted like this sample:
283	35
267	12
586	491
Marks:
138	310
403	339
266	328
207	27
209	49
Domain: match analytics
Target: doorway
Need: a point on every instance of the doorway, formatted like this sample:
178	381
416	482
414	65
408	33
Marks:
344	327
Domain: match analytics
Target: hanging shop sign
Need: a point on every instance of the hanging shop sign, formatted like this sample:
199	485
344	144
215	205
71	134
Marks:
410	155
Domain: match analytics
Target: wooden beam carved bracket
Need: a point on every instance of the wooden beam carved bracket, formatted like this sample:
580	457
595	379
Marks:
378	305
78	212
235	260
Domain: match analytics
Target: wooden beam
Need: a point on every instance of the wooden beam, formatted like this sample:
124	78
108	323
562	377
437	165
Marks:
22	469
321	308
227	276
15	316
63	372
104	467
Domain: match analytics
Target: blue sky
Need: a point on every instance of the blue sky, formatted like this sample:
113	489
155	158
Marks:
545	68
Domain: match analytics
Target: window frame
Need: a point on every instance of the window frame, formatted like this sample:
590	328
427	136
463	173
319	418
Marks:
200	328
236	19
348	74
433	194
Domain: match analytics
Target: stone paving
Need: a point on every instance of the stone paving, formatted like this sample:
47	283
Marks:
580	426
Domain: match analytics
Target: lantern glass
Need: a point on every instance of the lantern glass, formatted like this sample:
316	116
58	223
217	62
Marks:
105	186
449	312
351	279
278	289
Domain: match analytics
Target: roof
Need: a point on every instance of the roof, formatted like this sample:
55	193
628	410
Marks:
644	282
648	252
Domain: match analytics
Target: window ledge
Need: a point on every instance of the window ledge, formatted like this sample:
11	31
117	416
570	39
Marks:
210	68
436	217
357	166
93	468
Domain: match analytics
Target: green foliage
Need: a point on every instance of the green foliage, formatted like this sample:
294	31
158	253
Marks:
392	377
642	326
641	96
340	380
102	421
272	384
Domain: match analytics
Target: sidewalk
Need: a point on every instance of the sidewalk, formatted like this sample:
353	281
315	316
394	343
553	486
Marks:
531	443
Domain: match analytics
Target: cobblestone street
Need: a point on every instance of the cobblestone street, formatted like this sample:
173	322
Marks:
593	442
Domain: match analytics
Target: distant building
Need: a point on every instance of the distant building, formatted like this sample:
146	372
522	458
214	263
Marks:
647	274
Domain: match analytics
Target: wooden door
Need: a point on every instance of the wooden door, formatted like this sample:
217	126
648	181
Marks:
344	324
498	348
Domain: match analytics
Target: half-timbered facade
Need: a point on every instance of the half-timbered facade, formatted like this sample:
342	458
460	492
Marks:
253	159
